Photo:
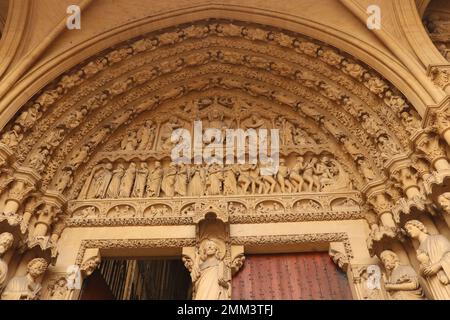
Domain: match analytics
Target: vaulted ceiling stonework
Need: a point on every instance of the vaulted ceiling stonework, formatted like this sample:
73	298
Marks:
86	142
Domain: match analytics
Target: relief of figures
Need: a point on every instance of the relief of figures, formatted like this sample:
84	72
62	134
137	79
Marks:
168	179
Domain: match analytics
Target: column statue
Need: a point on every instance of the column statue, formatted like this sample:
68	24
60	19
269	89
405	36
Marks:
434	257
26	287
209	273
402	282
6	242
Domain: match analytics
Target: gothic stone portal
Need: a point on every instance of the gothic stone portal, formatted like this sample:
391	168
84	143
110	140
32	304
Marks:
86	168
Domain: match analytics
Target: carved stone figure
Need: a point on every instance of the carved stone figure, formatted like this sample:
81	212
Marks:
13	137
254	122
114	186
54	138
26	287
296	173
444	201
197	181
74	119
130	141
6	242
154	181
283	177
214	180
323	173
58	288
166	133
403	282
245	180
287	131
38	159
146	135
139	183
309	174
100	182
168	181
388	147
181	180
434	255
80	157
126	185
29	117
229	180
209	273
267	176
368	173
65	180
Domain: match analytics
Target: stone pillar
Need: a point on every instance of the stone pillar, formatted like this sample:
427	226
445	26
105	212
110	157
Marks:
58	228
29	209
44	221
382	206
23	183
54	201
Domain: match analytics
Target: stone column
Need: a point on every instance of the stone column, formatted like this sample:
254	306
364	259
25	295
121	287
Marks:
23	183
46	215
58	228
382	206
54	201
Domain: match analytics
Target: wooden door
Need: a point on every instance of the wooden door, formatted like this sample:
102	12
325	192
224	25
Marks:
297	276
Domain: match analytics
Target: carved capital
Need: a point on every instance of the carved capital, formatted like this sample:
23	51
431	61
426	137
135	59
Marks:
431	147
440	75
381	203
406	177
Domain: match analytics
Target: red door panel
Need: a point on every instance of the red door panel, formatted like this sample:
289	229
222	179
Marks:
297	276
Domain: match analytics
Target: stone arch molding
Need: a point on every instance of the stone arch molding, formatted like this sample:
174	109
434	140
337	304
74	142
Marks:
337	98
331	108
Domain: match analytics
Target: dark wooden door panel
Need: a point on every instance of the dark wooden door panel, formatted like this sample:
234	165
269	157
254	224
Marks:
297	276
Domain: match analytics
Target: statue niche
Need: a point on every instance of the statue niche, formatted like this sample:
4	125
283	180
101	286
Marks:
213	261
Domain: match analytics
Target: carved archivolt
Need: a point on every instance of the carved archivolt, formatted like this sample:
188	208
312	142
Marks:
331	79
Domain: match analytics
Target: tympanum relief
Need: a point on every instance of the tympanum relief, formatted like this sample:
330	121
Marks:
131	168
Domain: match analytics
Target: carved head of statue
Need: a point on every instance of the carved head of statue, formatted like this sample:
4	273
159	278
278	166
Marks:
414	228
37	267
209	248
89	266
389	259
6	242
157	164
109	166
16	128
444	201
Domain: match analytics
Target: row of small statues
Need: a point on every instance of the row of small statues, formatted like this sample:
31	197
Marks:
143	137
139	181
